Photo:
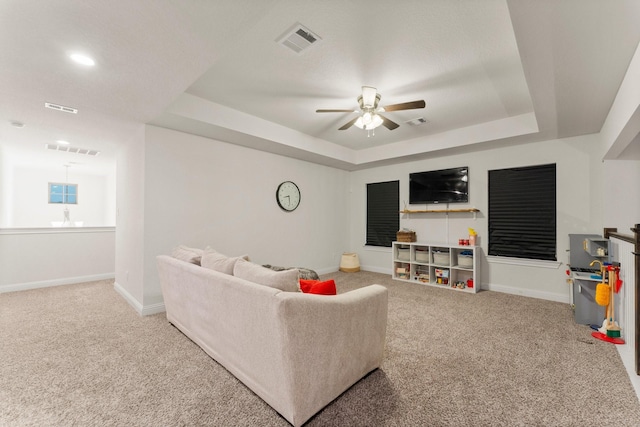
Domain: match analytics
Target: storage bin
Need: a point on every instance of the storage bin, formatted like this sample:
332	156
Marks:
350	263
422	255
406	236
403	254
465	259
441	258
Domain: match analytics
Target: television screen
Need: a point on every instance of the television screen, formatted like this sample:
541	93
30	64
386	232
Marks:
441	186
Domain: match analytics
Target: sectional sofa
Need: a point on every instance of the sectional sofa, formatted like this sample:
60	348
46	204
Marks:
296	351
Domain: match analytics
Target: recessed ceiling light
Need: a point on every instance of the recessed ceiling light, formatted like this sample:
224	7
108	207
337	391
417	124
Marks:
82	59
62	142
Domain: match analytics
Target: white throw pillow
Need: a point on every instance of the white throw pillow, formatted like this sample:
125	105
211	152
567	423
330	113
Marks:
219	262
286	280
187	254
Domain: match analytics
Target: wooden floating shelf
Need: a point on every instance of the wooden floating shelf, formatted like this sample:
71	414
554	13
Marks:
407	211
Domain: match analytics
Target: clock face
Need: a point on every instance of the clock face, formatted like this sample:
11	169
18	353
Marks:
288	196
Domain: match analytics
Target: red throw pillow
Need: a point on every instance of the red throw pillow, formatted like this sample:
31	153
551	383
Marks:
324	288
327	287
306	284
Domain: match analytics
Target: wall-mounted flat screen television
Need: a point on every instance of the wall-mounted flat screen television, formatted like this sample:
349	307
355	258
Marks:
440	186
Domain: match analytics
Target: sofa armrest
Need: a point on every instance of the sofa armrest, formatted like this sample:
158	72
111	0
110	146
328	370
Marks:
330	342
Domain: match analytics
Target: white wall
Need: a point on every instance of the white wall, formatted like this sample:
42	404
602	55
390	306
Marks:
579	208
201	192
620	137
130	219
25	204
622	193
6	184
34	258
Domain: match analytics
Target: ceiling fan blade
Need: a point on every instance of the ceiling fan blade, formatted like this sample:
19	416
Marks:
335	111
368	96
388	123
405	106
348	124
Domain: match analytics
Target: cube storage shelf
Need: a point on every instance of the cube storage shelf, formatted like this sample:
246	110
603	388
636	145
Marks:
441	265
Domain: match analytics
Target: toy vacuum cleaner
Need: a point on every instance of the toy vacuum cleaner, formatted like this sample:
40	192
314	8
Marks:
605	296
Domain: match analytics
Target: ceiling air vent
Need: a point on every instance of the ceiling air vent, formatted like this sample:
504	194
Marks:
61	108
69	149
417	122
298	38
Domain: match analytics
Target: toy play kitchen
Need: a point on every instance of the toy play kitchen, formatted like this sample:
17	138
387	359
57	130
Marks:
595	282
587	253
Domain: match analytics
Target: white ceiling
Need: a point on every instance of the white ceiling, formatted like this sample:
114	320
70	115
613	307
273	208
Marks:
491	72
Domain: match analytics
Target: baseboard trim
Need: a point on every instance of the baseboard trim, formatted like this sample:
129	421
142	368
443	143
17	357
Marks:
56	282
376	269
137	306
549	296
153	309
326	270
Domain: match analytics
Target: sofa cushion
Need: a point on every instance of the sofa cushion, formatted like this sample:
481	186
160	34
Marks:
187	254
286	280
327	287
220	262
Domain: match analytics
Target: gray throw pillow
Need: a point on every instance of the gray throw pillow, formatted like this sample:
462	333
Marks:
286	280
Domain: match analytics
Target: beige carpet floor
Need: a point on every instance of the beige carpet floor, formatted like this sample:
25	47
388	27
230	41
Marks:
79	355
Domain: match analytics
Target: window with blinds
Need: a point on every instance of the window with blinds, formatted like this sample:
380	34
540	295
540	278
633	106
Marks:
522	212
383	216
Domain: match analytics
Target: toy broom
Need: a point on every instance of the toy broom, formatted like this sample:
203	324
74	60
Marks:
605	295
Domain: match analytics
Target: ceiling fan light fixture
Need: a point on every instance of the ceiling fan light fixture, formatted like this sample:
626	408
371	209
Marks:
368	121
375	122
369	117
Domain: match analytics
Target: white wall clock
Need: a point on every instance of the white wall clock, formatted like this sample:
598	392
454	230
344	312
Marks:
288	196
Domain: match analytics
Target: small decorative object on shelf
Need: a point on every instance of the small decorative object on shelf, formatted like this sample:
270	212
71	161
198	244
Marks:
455	267
472	237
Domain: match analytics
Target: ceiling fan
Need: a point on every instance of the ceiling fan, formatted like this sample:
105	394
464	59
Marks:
369	116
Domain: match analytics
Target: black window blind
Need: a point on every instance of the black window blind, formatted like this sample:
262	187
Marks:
383	216
522	212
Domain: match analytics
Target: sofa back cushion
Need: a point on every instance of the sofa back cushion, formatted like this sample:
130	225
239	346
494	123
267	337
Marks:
286	280
187	254
219	262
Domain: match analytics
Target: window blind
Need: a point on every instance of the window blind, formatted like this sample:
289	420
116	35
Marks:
522	212
383	216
